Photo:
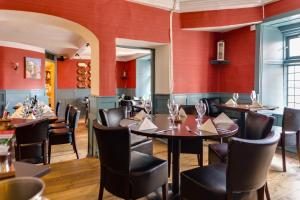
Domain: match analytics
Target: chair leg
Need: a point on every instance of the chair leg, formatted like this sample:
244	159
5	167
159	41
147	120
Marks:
297	144
169	157
261	193
200	155
101	191
282	142
74	145
49	151
267	192
165	191
44	152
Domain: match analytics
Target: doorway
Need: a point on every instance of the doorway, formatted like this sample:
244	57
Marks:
50	80
135	72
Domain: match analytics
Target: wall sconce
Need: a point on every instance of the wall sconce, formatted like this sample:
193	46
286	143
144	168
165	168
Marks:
15	66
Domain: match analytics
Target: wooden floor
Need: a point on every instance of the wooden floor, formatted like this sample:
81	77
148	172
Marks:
79	179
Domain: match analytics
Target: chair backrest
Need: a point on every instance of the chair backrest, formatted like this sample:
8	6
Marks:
212	103
67	110
114	147
112	117
74	115
32	133
249	162
291	119
57	108
258	126
189	109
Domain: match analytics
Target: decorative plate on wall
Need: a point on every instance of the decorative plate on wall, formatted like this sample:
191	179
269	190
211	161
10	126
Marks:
83	75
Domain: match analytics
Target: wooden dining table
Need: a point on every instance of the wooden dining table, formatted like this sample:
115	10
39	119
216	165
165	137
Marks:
243	109
184	130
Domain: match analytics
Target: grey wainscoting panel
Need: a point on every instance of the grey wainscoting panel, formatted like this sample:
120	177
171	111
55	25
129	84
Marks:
2	101
160	103
97	102
73	97
16	96
126	91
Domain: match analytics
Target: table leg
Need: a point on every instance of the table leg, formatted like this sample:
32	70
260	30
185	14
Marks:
242	125
176	167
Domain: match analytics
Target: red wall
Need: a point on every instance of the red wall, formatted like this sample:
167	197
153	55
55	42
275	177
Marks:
281	6
108	20
130	68
221	17
238	76
15	79
122	19
193	51
67	73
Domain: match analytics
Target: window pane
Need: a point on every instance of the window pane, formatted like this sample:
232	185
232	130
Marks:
291	69
291	105
291	91
291	84
294	48
291	77
291	99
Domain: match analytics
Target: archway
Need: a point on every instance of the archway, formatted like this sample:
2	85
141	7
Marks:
86	34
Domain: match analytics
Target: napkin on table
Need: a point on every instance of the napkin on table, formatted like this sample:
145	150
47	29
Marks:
223	119
18	113
146	125
182	113
208	126
256	105
140	115
230	102
31	116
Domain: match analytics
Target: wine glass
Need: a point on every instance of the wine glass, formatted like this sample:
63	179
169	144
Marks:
201	110
253	96
235	97
148	107
173	111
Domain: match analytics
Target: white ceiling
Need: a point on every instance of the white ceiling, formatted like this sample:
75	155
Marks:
202	5
15	27
127	54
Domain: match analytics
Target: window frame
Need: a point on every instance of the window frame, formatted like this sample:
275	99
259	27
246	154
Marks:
287	52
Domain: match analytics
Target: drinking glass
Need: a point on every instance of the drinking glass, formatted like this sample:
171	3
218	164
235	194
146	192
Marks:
201	110
148	107
235	97
173	111
253	96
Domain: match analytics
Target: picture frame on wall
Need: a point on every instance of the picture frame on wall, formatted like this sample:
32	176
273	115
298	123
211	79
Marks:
221	50
33	68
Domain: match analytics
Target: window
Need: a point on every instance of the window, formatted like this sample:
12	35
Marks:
293	50
293	85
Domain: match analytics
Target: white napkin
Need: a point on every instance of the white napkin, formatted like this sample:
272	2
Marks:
208	126
146	125
31	116
256	105
18	113
230	102
140	115
182	113
223	119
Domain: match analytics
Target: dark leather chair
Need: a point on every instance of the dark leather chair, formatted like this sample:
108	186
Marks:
57	107
189	146
112	118
62	123
31	142
242	176
127	104
211	106
125	173
65	135
258	126
290	129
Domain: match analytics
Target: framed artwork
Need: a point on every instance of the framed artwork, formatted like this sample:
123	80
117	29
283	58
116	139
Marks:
33	68
221	50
